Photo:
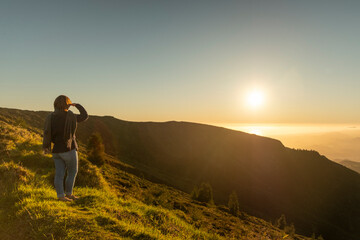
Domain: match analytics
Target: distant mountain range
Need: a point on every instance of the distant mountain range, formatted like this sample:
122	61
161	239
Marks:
351	165
317	195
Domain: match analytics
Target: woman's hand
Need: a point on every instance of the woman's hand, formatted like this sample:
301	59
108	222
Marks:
73	104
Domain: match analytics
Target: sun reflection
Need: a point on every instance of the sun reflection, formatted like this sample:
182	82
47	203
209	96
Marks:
255	131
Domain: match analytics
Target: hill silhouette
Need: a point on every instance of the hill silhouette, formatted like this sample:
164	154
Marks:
316	194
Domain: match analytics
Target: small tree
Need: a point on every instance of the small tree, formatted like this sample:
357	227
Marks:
281	222
195	193
233	204
205	193
96	149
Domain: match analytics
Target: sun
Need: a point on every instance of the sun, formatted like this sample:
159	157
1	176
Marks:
255	99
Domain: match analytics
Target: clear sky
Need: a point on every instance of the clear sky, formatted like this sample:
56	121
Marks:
184	60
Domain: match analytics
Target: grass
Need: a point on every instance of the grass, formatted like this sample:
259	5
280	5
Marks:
113	204
99	213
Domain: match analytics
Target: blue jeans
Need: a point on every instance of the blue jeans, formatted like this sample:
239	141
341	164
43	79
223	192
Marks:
66	161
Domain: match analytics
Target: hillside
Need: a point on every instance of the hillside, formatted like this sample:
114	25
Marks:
355	166
313	192
317	195
114	204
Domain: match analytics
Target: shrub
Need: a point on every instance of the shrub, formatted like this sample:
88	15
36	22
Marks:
233	204
203	193
89	176
290	230
96	149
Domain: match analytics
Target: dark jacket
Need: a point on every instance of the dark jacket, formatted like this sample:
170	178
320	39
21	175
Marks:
60	127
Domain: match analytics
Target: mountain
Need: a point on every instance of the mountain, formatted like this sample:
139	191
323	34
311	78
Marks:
116	200
316	194
355	166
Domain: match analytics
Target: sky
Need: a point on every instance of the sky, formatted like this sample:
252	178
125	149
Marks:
184	60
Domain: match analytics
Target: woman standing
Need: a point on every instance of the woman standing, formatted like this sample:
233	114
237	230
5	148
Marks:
60	128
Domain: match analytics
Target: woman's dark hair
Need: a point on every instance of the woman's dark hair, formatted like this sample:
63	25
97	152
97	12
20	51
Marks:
62	102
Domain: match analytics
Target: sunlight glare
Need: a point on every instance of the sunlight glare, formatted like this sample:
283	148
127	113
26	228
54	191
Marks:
255	99
256	131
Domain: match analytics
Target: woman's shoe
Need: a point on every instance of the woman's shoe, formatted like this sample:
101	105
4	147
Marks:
72	197
65	199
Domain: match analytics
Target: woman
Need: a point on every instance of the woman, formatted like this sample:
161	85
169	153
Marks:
60	128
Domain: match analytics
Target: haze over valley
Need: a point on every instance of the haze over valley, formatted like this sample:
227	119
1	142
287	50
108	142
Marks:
336	141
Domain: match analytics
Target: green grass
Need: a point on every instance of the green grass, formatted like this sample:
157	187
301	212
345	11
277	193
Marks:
97	214
113	204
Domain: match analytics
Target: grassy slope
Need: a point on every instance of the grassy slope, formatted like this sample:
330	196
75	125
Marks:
317	194
114	204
